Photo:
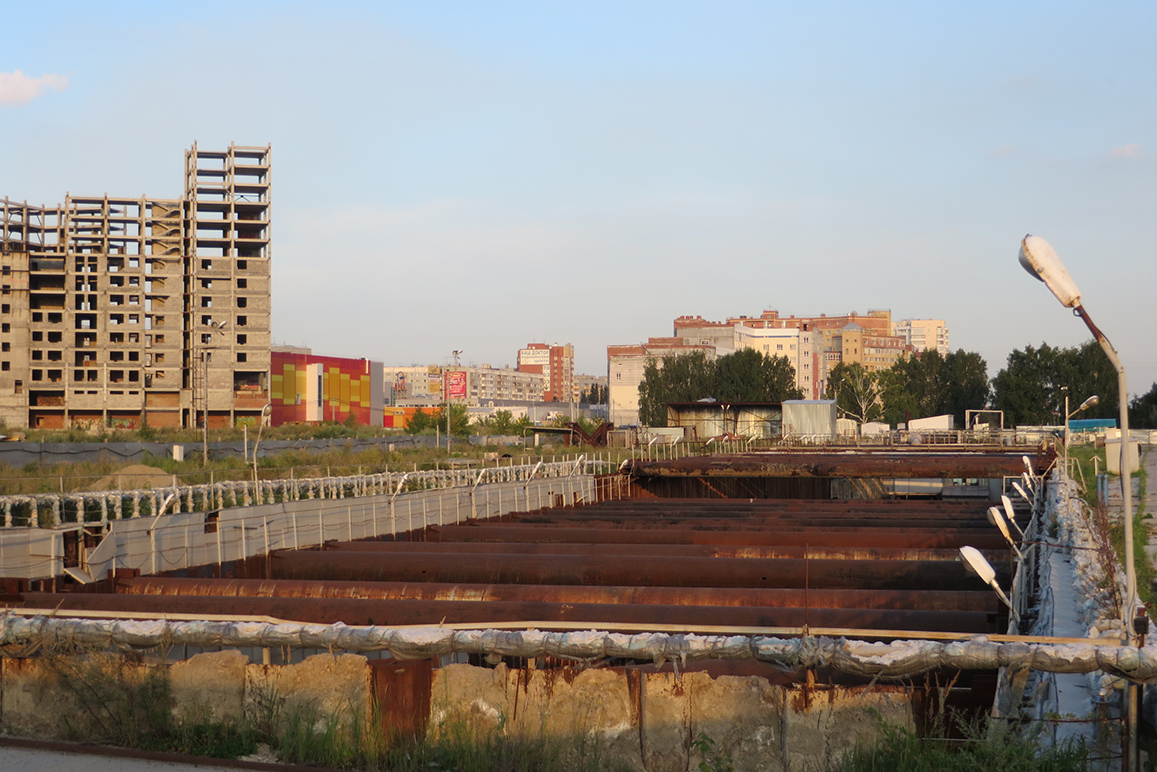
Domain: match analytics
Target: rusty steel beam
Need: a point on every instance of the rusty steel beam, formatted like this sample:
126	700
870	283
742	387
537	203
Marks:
426	612
892	464
500	568
958	600
766	508
944	538
656	550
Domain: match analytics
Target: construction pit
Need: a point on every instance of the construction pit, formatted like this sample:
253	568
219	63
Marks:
785	605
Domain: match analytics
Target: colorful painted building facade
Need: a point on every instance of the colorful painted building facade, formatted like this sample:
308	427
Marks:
306	388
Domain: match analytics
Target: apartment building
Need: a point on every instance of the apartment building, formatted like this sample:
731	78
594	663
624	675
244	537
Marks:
813	344
795	344
125	311
424	384
924	334
625	368
555	364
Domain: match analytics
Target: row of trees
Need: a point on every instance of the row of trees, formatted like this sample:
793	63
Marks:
914	387
1029	389
501	422
745	376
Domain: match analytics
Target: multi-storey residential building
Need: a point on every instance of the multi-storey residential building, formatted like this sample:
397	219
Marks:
555	364
924	334
625	367
583	384
795	344
813	344
423	385
121	311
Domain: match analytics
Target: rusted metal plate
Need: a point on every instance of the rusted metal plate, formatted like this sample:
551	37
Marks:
944	538
401	693
882	464
941	600
425	612
505	568
653	550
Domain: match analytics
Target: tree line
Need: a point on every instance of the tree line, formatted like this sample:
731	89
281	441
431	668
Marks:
1030	389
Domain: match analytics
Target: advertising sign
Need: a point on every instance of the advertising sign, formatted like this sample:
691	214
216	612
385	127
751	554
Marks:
455	384
534	356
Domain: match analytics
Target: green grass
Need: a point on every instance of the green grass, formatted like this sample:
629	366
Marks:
986	747
82	476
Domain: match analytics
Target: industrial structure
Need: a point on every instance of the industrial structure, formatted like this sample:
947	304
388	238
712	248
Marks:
799	586
125	312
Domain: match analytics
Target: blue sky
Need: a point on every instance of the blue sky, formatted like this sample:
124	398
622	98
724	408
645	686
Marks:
478	176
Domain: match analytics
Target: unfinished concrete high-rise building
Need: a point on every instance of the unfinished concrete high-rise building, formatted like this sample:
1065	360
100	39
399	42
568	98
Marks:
125	312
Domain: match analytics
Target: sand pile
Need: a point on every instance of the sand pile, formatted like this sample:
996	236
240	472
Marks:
135	477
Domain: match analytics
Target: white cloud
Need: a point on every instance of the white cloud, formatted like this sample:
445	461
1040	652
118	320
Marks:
16	88
1003	150
1132	150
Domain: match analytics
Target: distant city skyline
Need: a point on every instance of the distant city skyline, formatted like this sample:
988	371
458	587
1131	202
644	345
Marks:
475	177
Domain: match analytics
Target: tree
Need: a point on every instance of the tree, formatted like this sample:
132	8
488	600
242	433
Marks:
595	395
679	378
928	384
459	420
419	422
500	423
859	394
1143	410
1029	388
751	376
745	376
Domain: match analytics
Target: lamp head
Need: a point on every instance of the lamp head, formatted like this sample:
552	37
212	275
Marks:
976	563
1007	502
1090	402
1016	487
996	518
1041	261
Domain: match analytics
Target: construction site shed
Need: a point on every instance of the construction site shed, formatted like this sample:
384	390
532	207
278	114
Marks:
809	417
701	420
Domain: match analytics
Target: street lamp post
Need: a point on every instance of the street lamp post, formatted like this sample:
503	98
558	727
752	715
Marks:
1088	403
206	350
1041	261
260	425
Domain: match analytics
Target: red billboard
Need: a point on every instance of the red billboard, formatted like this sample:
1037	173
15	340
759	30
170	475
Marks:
455	384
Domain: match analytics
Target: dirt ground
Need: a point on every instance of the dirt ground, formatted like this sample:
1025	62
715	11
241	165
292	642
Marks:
135	477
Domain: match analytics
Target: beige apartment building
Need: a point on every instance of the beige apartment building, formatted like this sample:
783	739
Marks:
123	312
924	334
625	368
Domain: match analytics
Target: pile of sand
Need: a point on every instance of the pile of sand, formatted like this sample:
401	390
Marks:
135	477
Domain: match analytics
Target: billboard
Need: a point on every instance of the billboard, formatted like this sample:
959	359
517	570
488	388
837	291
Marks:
455	384
534	356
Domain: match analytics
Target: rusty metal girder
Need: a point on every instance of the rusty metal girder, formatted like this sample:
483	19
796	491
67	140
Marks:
426	612
656	550
958	600
884	464
501	568
943	538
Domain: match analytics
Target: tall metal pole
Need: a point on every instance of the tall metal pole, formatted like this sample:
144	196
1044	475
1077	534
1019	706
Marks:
1130	600
205	409
1065	389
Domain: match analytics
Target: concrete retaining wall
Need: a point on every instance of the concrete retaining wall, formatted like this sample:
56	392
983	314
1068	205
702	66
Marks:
645	719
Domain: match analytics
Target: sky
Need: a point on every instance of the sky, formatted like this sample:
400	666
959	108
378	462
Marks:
480	176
